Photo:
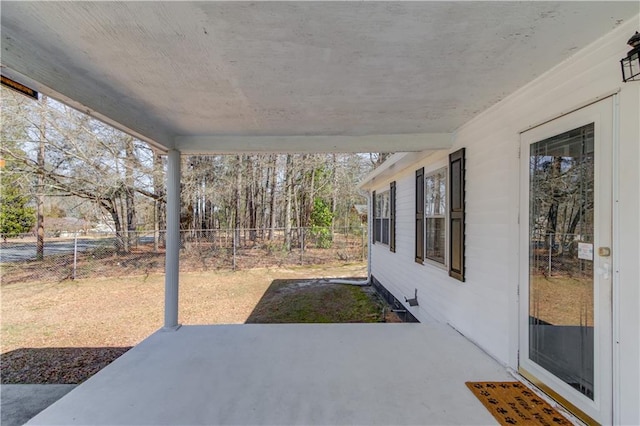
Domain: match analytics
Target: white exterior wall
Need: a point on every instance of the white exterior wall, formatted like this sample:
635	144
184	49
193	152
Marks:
485	307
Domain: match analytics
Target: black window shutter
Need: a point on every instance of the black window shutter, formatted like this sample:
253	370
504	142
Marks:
456	215
373	217
419	237
392	217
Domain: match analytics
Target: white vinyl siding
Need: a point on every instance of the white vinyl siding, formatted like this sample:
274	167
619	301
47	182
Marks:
484	308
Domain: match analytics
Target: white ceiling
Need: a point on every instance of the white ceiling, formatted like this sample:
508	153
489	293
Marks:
275	76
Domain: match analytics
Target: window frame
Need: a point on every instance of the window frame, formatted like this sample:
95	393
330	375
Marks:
380	218
455	218
386	198
443	170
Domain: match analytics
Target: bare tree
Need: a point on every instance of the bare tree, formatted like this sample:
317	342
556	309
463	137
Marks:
80	157
123	178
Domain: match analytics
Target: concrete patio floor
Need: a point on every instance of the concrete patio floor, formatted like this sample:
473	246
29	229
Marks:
325	374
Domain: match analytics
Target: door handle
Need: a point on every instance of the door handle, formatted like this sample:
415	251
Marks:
604	251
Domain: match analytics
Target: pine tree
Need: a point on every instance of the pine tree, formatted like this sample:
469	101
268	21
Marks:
16	217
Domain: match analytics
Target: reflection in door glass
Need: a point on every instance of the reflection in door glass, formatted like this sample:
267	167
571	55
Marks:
561	207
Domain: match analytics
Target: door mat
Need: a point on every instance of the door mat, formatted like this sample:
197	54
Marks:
512	403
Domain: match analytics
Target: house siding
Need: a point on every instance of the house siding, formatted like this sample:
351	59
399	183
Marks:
478	302
485	307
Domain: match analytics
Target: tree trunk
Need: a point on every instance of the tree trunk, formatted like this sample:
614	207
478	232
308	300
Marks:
129	165
287	206
251	200
272	199
159	206
309	197
122	217
112	208
575	220
552	214
238	201
40	192
334	190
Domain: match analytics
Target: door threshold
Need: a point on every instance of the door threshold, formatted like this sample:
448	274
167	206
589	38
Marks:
570	411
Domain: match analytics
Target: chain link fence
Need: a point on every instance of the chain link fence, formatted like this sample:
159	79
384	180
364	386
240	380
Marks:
557	255
78	255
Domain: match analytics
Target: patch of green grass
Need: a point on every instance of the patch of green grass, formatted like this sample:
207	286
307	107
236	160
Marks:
288	302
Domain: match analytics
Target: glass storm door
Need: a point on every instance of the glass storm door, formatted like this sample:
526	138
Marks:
565	271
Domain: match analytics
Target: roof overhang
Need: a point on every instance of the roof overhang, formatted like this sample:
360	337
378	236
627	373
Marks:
219	77
392	166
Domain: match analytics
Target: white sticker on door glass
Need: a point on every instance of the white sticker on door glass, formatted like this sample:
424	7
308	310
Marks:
585	251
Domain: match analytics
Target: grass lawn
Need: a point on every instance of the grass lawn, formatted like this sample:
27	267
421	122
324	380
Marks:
317	301
123	311
65	332
562	300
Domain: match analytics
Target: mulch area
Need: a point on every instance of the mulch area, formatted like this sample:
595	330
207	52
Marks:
55	365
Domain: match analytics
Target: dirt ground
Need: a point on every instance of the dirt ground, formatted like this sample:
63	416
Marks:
124	310
64	332
562	300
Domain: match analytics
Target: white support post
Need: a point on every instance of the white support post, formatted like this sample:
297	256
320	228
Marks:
369	233
172	256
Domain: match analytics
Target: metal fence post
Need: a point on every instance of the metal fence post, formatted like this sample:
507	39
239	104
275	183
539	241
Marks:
302	246
75	255
212	250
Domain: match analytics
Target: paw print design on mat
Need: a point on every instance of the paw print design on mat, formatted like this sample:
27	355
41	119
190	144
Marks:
512	403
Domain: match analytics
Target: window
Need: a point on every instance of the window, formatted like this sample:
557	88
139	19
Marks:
382	216
435	215
384	209
439	225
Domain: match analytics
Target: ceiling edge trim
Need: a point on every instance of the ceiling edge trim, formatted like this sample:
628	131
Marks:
219	144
